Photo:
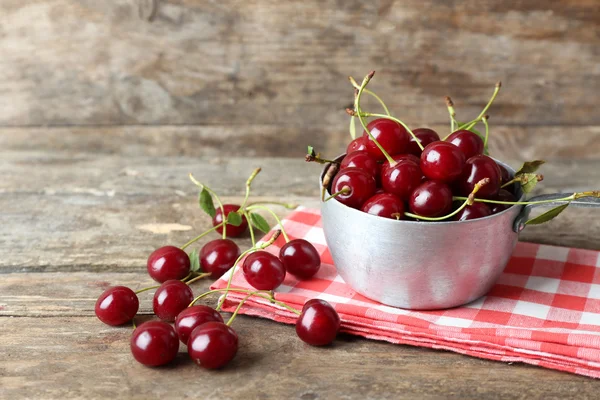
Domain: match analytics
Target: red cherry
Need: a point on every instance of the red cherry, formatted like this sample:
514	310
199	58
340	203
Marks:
318	324
357	144
431	199
263	270
385	205
362	160
503	195
361	185
194	316
476	169
300	258
218	256
168	262
476	210
170	299
232	230
401	179
212	345
442	161
154	343
390	135
425	136
468	142
117	305
504	174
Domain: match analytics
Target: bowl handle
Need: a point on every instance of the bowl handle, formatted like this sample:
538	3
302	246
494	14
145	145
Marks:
519	223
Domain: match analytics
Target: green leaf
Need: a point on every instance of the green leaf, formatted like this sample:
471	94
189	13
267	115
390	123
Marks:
352	128
206	203
194	261
481	135
259	222
233	218
530	167
311	151
528	182
548	215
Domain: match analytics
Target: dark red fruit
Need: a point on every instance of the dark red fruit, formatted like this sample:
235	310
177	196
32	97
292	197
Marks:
168	262
431	199
154	343
117	305
425	136
385	205
300	258
503	195
212	345
468	142
263	270
478	168
401	179
504	174
442	161
232	230
318	324
360	183
194	316
171	298
357	144
218	256
476	210
362	160
390	135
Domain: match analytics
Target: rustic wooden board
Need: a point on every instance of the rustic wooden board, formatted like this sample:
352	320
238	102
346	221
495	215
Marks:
73	62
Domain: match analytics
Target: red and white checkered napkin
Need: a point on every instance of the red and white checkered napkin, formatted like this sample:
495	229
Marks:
544	309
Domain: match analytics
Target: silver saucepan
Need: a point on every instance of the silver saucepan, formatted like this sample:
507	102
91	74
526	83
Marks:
425	265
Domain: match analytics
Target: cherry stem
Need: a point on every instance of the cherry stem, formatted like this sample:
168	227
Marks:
523	179
289	206
316	158
201	276
200	236
452	112
237	309
251	226
257	293
209	190
471	124
367	91
487	130
345	190
248	184
398	122
255	248
285	236
146	289
568	198
468	201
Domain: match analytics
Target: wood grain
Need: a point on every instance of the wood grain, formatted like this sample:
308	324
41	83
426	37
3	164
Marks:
84	62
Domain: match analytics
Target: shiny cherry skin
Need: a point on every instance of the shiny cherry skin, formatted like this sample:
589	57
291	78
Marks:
362	160
232	230
300	258
400	157
503	195
357	144
263	270
425	136
212	345
218	256
431	199
171	298
361	184
468	142
154	343
474	211
319	323
194	316
168	262
401	179
478	168
442	161
385	205
117	305
390	135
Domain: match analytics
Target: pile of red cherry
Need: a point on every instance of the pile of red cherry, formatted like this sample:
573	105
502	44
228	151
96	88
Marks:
211	343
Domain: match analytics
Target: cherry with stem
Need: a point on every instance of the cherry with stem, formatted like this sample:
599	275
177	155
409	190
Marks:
212	193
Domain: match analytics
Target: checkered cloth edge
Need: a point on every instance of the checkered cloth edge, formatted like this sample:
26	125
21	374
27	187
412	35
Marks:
544	310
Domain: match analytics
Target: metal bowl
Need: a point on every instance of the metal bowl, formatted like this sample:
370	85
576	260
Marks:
423	265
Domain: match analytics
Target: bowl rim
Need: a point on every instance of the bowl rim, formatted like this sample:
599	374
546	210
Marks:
432	223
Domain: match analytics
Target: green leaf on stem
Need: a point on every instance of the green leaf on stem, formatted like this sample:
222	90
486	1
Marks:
548	215
352	128
481	135
206	203
233	218
311	151
194	261
528	181
259	222
530	167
